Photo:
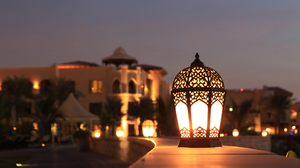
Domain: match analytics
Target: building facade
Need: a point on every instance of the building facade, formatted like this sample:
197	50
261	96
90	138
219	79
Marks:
258	117
120	76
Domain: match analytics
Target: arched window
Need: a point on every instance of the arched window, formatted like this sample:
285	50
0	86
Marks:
131	87
116	87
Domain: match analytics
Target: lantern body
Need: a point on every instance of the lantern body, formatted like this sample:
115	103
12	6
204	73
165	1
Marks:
198	95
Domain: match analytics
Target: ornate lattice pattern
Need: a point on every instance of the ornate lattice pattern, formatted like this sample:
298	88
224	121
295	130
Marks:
179	97
199	95
218	96
185	133
215	79
199	132
198	77
214	133
180	79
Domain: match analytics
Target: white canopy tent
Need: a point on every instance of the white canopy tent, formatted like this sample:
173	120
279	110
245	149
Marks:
73	111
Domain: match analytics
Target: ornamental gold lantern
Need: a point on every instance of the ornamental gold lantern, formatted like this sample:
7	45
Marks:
198	94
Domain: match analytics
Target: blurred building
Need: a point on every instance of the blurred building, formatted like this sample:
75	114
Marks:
295	118
119	76
258	118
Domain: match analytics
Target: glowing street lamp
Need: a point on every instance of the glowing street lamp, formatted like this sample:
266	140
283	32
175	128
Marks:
148	128
264	133
198	94
235	132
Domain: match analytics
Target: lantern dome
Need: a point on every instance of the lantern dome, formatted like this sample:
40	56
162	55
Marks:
198	76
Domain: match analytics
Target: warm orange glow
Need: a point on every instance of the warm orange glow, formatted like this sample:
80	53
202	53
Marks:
199	115
97	134
296	131
15	128
285	129
71	66
124	123
293	114
82	126
96	86
18	164
293	127
119	132
222	135
35	126
216	114
235	132
36	85
43	145
182	116
54	129
268	129
148	128
264	133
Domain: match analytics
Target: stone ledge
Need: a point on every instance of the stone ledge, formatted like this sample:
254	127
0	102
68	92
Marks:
254	142
164	153
126	149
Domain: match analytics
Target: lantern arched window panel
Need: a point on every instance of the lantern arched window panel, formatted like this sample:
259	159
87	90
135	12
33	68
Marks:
183	119
215	119
198	94
199	118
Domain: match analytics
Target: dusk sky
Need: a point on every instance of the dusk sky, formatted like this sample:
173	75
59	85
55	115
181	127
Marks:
250	43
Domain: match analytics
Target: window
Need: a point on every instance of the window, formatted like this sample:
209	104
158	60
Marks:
116	87
96	86
96	108
131	87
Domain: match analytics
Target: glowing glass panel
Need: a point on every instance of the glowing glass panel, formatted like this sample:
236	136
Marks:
199	115
216	114
148	128
182	116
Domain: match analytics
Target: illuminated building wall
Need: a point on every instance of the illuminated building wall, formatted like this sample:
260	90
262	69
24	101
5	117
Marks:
90	77
258	115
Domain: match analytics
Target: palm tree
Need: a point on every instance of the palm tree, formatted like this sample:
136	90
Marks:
113	107
16	89
239	115
4	112
105	120
144	109
166	119
61	88
45	114
277	104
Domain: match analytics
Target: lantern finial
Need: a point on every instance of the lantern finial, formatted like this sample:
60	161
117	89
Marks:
197	62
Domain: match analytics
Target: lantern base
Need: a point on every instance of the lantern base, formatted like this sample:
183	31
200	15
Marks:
199	143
